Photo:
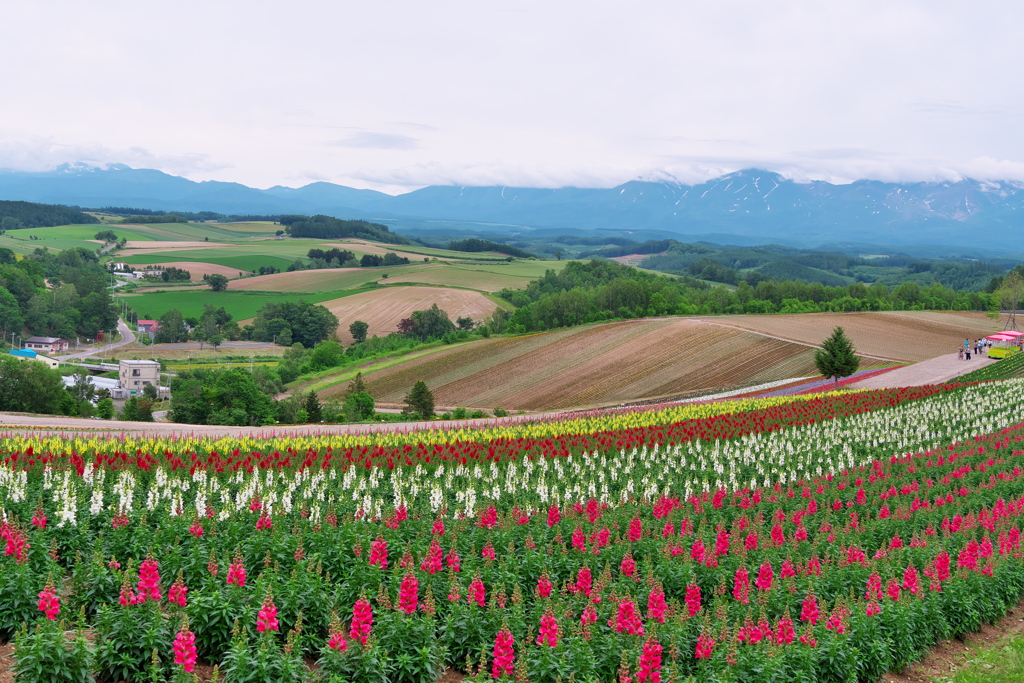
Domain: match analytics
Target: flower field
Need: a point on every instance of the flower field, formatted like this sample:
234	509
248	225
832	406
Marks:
830	538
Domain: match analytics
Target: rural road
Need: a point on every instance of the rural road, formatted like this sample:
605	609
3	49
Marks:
933	371
127	337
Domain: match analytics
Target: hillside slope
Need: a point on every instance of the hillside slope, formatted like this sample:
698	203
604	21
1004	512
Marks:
594	365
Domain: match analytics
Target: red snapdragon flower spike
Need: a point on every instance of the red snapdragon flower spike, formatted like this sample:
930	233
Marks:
874	589
453	561
628	565
548	634
589	615
872	608
17	543
196	529
236	572
693	598
656	604
434	561
488	551
504	653
185	650
650	662
579	540
809	609
362	621
177	594
741	585
48	603
438	528
705	646
266	619
379	553
544	586
476	592
337	641
636	530
39	518
408	594
149	581
627	620
765	577
910	580
488	518
784	631
584	581
553	515
264	522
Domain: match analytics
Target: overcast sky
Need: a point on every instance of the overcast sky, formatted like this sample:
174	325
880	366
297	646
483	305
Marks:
395	95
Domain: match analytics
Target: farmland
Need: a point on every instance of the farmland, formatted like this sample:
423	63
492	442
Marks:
898	335
383	309
586	366
832	538
191	302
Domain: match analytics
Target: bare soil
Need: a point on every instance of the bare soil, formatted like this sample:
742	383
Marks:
597	365
383	309
943	660
897	335
197	269
141	247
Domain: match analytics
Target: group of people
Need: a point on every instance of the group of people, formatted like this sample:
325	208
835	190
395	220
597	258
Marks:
980	346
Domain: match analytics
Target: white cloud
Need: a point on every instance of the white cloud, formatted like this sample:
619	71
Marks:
401	94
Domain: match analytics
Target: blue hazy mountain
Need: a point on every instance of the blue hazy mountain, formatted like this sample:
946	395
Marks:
751	206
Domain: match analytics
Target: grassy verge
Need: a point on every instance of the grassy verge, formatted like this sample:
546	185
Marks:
335	376
1002	663
1007	368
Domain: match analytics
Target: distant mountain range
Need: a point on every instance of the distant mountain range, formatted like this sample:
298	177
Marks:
750	207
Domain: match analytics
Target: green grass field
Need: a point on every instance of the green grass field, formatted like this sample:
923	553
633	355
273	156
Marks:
330	279
241	305
482	278
260	227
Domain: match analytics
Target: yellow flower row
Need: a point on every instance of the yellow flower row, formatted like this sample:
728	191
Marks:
537	429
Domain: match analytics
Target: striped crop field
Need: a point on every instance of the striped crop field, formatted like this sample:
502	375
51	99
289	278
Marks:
596	365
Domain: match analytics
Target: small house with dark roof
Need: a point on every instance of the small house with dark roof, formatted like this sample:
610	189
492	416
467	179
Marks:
46	344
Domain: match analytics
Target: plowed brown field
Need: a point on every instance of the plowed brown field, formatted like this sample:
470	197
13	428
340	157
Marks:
197	269
327	279
596	365
897	335
137	248
382	309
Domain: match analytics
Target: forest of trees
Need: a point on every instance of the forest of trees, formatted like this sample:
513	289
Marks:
585	292
126	212
289	322
16	215
78	301
730	265
474	244
326	227
155	219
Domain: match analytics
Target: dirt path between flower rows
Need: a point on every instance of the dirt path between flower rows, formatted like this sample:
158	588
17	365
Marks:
934	371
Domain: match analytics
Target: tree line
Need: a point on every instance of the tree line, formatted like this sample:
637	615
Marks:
586	292
474	244
15	215
320	259
326	227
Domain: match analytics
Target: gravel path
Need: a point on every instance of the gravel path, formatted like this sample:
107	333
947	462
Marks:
933	371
